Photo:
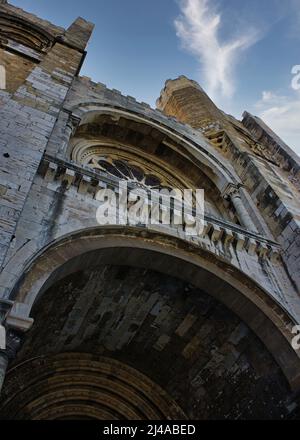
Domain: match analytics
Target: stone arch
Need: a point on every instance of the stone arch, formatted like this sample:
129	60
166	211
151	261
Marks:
156	251
199	160
215	168
29	34
85	386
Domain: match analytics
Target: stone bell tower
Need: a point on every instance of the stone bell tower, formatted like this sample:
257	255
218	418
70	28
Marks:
186	101
268	168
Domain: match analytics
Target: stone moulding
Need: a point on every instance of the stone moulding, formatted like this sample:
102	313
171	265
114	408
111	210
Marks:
32	36
88	182
243	295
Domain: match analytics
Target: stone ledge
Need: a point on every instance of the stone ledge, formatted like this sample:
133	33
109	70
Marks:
88	182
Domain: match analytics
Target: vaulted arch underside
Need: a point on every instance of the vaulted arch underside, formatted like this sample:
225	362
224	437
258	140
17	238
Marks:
121	342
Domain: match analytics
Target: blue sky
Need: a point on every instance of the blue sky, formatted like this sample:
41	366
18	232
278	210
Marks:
241	51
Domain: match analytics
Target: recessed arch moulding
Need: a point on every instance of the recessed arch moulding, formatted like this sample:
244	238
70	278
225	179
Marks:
139	248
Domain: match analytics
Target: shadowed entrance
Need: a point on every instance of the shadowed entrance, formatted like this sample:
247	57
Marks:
175	336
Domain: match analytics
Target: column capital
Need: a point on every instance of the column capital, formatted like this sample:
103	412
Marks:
231	191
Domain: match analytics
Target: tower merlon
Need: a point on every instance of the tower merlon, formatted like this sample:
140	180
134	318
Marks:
186	100
79	33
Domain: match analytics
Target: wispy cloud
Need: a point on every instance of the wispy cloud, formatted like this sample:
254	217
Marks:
282	114
198	28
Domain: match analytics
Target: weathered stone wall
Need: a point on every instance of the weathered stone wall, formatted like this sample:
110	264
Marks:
181	338
28	117
17	69
279	195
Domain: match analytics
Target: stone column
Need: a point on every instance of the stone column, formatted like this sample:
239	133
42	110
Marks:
233	193
3	367
13	343
9	340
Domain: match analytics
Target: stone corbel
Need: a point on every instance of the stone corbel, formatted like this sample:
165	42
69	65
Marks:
51	172
228	237
68	177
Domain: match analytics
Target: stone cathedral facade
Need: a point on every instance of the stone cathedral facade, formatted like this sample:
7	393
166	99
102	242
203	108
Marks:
139	322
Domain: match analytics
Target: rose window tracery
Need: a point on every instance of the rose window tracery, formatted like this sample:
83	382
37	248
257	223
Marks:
125	170
123	162
128	163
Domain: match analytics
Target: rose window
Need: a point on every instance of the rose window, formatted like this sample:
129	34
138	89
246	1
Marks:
125	170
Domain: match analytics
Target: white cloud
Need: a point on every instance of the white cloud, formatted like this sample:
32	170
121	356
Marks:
266	96
198	28
282	114
270	98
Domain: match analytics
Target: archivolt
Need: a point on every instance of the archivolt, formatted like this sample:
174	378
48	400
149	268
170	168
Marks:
156	251
20	31
80	385
221	174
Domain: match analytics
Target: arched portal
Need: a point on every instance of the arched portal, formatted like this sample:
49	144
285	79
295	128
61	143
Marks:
136	247
84	386
187	350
